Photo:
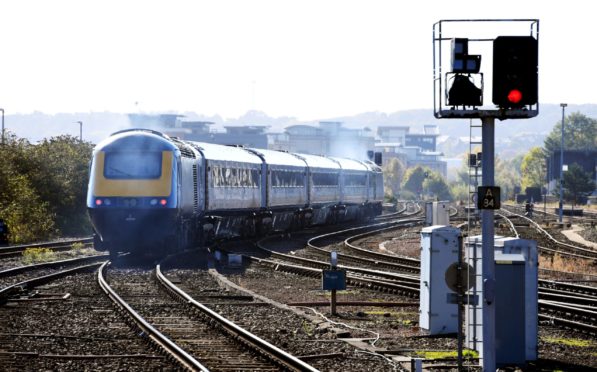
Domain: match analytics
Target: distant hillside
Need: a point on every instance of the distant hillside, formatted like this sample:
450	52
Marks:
98	125
549	115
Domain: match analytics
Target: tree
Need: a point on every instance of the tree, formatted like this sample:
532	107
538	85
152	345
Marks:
577	183
60	173
580	133
393	173
506	177
436	185
27	216
413	179
532	168
43	187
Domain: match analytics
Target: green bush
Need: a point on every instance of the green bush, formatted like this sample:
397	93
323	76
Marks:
43	188
35	255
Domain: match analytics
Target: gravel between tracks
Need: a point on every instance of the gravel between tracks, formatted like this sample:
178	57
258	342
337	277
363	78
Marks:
397	327
589	233
83	324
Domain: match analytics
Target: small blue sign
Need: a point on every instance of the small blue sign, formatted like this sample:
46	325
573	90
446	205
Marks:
333	279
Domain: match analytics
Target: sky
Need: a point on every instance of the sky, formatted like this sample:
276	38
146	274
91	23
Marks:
309	59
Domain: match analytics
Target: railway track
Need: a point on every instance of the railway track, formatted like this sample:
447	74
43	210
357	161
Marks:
60	322
190	332
558	301
20	279
555	246
588	215
17	250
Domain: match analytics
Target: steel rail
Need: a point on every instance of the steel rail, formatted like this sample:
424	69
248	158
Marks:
45	265
393	258
569	323
398	262
569	246
324	265
182	357
31	283
553	306
22	247
256	342
407	285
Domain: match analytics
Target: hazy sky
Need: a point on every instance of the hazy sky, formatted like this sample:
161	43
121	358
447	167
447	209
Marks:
308	59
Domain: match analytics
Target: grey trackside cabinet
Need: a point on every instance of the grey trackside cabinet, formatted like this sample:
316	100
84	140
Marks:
528	249
515	299
428	213
437	213
509	309
439	249
441	213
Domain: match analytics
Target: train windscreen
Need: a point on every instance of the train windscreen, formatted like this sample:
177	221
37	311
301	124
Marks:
133	165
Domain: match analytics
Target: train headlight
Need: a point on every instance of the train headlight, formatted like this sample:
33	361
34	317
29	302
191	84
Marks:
153	202
107	201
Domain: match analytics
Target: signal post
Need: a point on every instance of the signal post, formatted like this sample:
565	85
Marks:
459	94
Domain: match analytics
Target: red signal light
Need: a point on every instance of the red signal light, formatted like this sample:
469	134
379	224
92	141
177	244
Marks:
515	96
163	202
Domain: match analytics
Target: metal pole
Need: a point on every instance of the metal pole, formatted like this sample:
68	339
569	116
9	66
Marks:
1	109
562	165
80	130
545	193
461	292
488	260
333	266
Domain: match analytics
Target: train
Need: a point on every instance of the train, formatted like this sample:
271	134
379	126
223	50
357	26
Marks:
155	194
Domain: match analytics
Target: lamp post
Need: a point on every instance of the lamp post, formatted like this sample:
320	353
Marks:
1	109
80	130
563	105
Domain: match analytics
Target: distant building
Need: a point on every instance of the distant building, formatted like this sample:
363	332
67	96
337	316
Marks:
199	131
393	134
153	121
413	148
328	138
305	139
586	159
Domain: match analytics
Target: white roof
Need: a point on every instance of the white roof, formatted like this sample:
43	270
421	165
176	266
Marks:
227	153
315	161
273	157
350	164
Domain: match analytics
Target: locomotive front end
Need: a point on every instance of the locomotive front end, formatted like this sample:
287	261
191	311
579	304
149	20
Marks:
132	198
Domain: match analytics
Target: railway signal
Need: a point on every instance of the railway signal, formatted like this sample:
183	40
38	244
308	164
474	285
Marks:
463	91
515	77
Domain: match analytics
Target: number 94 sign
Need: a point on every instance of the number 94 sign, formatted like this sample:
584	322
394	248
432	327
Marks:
488	197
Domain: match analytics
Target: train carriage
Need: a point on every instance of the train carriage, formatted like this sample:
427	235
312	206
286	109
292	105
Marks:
232	187
324	188
286	192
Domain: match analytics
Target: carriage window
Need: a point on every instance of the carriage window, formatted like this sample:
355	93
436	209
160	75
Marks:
234	177
287	179
325	179
351	180
133	165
